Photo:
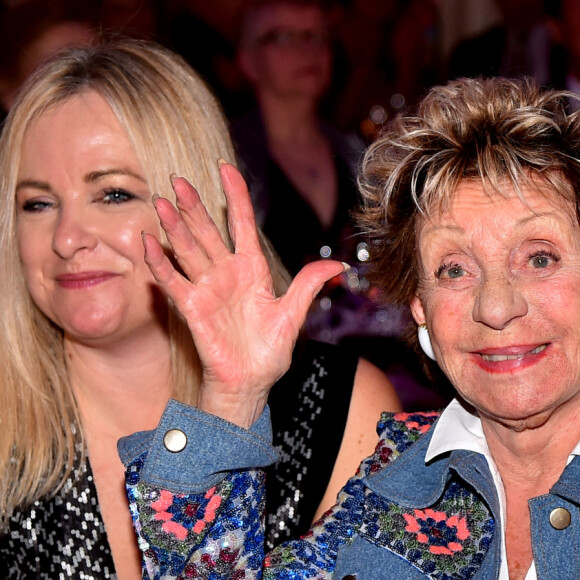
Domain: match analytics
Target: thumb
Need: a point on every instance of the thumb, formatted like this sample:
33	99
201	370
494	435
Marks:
307	284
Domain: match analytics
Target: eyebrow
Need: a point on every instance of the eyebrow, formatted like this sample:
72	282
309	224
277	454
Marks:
94	176
520	223
91	177
535	216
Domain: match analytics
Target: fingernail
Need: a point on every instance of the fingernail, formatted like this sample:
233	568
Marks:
345	266
154	198
173	177
221	161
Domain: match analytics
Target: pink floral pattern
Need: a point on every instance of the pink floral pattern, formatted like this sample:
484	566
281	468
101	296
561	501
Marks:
443	534
412	421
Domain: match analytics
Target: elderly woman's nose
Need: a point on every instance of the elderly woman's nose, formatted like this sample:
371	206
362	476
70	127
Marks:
72	233
498	302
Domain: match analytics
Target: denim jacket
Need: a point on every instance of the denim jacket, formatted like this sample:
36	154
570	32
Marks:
196	494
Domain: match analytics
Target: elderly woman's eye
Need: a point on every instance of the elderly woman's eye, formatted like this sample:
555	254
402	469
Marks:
542	259
450	271
117	196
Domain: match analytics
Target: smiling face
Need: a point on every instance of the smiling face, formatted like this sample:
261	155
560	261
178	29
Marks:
82	203
499	294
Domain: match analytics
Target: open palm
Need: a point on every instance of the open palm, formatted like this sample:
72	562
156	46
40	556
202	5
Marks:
244	334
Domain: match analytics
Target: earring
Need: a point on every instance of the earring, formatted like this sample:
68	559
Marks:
425	341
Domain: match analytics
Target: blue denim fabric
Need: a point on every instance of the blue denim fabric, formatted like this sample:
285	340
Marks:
214	447
217	446
411	483
557	552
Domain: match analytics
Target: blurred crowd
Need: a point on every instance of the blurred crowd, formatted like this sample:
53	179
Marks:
306	86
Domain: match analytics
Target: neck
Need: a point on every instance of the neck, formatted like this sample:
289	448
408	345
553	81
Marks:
289	120
535	455
122	388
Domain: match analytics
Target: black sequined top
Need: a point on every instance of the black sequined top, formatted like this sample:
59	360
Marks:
64	537
309	407
59	538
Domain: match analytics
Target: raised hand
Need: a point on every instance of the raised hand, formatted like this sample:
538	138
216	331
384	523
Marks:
244	334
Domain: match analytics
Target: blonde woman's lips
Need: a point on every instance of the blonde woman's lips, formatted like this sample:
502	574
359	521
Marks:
83	280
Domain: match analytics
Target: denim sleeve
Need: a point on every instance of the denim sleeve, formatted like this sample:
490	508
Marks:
199	512
204	450
197	499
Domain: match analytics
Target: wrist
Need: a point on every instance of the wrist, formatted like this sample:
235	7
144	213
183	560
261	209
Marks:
241	410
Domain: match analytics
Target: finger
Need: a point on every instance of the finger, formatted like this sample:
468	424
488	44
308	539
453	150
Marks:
192	259
165	274
307	284
241	221
198	220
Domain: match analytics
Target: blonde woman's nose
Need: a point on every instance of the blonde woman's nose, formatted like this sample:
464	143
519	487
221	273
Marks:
72	233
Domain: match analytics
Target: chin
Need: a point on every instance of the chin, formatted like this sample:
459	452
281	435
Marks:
521	414
87	328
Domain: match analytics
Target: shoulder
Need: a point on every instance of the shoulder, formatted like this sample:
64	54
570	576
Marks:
373	385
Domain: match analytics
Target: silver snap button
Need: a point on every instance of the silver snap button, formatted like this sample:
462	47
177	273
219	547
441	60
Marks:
175	440
560	518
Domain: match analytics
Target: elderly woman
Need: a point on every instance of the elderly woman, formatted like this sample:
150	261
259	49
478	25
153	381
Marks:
91	349
473	215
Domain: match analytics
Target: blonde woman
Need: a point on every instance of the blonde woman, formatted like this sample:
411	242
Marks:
91	349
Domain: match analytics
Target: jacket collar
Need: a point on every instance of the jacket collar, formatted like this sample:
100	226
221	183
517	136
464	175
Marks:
429	481
567	486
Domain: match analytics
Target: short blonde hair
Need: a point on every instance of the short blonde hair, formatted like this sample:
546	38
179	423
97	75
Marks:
175	125
490	130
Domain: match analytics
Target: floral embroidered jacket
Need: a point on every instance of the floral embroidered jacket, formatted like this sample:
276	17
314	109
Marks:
197	508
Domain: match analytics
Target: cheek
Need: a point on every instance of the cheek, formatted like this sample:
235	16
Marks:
449	317
128	234
444	309
32	250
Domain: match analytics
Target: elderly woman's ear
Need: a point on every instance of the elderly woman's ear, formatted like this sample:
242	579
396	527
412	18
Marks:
417	310
422	332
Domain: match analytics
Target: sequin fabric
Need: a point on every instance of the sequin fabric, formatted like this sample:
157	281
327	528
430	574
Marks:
180	537
61	537
309	408
219	533
446	541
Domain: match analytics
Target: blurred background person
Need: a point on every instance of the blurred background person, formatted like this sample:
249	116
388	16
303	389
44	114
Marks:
300	170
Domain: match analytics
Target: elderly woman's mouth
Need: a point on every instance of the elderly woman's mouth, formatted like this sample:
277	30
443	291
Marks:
517	356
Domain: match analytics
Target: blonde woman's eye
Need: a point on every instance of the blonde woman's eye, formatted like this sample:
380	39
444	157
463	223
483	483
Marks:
35	206
117	196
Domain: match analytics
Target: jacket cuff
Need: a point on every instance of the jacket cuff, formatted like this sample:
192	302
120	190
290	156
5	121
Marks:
191	451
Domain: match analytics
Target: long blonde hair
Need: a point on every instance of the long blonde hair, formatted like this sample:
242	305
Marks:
175	126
